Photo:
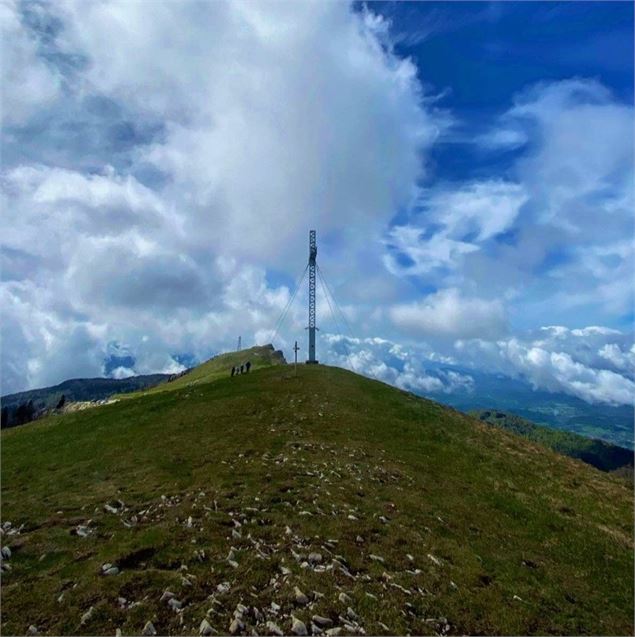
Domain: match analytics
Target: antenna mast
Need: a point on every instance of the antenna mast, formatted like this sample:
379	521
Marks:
312	265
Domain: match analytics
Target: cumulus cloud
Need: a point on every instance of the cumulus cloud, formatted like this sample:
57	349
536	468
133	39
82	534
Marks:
28	83
413	368
449	314
216	155
593	363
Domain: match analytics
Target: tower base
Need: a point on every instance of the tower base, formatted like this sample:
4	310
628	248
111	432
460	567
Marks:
312	362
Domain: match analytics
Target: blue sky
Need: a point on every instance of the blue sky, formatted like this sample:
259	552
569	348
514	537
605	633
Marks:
468	168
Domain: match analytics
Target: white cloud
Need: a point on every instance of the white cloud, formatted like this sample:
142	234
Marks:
448	314
454	222
412	368
27	82
594	363
293	115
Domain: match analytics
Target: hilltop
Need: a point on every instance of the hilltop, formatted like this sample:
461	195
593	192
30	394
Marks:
324	500
220	366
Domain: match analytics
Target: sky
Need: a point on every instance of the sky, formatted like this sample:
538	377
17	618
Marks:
468	168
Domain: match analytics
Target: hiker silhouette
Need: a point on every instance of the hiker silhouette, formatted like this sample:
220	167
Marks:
247	366
233	370
242	367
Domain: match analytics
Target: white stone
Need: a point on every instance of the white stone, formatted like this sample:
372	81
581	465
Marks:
149	630
236	626
322	622
205	628
274	629
86	616
298	627
300	597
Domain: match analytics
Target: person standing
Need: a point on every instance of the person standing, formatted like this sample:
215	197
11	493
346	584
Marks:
248	366
233	371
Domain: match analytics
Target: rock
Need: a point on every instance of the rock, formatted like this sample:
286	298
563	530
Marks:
31	630
223	587
275	607
6	552
205	628
118	632
236	626
410	557
434	559
322	622
383	519
359	539
285	571
300	598
122	602
149	630
167	596
376	558
298	627
110	509
344	598
315	558
113	570
351	614
274	629
174	604
86	616
333	632
82	531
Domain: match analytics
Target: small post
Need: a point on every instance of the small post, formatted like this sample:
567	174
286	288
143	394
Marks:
295	361
240	338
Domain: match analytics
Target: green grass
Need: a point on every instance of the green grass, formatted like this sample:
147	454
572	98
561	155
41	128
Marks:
524	541
600	454
220	367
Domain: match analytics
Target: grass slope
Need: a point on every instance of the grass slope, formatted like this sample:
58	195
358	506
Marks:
220	367
234	483
600	454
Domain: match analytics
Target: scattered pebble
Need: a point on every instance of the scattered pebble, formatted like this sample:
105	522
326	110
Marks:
236	626
300	598
298	627
149	630
205	628
322	622
86	616
274	629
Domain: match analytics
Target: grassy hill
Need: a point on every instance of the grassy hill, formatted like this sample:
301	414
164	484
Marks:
598	453
323	495
220	367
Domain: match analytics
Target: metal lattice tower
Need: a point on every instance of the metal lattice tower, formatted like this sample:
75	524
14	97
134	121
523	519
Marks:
312	266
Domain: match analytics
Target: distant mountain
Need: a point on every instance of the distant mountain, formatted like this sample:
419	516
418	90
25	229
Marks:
552	409
600	454
36	401
23	407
